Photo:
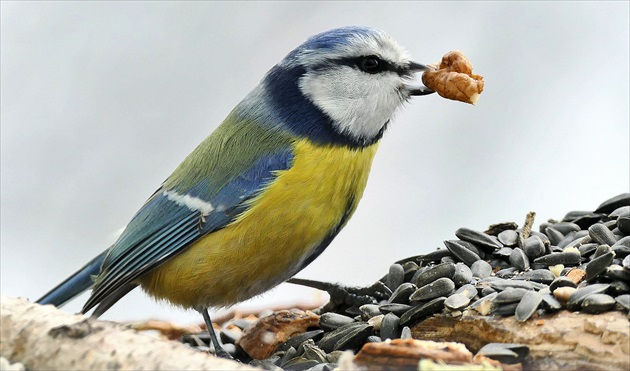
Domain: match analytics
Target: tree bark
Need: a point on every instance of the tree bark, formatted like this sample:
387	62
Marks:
43	337
564	340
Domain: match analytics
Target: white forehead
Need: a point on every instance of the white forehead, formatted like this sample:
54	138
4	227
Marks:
349	43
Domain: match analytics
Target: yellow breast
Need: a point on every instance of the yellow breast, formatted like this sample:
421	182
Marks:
267	244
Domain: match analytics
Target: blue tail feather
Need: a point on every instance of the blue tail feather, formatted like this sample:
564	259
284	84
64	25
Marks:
74	285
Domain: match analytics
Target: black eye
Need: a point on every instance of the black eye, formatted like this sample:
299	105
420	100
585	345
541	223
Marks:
370	64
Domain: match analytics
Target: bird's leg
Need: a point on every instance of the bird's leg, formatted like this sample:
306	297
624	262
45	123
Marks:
218	349
353	296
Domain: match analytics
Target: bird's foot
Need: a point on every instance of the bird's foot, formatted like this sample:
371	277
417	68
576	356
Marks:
351	296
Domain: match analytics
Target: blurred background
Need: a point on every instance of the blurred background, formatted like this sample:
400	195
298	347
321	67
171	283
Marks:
102	100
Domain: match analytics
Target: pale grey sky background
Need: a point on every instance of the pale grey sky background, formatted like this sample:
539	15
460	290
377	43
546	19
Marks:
101	100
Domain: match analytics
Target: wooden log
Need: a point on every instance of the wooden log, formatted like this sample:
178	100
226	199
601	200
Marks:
45	338
564	340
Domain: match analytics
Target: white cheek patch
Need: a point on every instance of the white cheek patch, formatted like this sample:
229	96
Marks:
193	203
359	104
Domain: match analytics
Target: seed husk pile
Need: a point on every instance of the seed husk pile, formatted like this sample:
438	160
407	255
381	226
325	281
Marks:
580	263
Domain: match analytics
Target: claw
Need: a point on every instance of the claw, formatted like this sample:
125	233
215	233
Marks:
353	296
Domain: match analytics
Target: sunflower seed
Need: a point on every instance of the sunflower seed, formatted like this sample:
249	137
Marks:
401	294
495	229
331	321
265	365
617	272
619	287
583	218
376	321
597	303
622	247
323	367
395	277
461	252
505	352
503	252
503	284
550	303
504	309
438	271
472	247
510	296
528	305
390	326
498	264
580	238
554	235
397	309
575	299
298	364
481	269
566	258
405	333
506	273
329	341
599	233
288	355
537	275
587	249
519	260
469	290
620	212
333	357
440	287
486	291
463	274
566	227
623	223
599	265
626	262
613	203
421	311
410	268
312	352
354	339
568	238
624	301
434	256
486	242
457	302
297	340
369	310
601	250
543	237
509	237
533	247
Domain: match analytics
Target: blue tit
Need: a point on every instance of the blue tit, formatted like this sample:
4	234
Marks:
263	195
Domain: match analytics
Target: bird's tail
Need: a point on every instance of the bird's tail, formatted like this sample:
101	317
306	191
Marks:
74	285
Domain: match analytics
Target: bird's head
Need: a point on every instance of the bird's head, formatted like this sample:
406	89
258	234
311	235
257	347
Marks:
342	85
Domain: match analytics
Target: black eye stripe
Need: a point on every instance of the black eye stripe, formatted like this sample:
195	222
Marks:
354	63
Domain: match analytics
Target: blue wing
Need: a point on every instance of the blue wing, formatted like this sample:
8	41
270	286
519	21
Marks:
166	225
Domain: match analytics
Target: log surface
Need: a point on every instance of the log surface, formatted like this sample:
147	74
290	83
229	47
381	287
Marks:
564	340
45	338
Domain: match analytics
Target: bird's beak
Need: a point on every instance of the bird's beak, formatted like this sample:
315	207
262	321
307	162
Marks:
413	66
418	90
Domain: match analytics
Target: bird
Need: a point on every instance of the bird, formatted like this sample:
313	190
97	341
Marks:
268	190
